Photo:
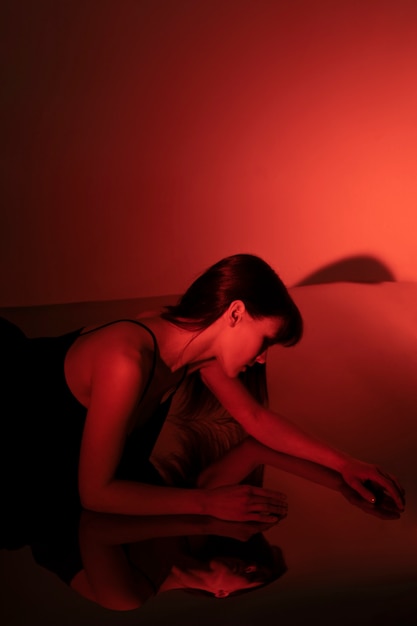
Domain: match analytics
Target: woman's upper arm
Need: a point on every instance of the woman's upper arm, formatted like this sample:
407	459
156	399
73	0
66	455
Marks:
232	395
116	386
108	578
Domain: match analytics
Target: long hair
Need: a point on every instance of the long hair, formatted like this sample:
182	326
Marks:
205	429
243	277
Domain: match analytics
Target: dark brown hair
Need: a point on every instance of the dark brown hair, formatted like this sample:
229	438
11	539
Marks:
244	277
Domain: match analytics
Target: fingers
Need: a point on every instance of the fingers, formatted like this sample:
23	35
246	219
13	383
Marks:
393	488
359	487
377	489
267	506
264	505
385	510
246	503
268	495
385	485
264	519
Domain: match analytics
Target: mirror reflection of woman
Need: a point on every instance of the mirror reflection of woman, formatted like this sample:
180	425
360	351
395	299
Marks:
120	562
127	561
87	408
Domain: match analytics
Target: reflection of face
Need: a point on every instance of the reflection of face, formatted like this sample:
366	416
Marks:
218	579
246	342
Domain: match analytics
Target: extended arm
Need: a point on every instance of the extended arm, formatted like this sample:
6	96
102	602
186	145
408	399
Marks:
239	461
280	434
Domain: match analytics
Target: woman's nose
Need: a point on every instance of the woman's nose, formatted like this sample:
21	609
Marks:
262	357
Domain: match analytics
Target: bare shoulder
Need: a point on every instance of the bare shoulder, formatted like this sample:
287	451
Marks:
120	336
123	349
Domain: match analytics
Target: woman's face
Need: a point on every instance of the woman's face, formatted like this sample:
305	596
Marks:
218	579
244	340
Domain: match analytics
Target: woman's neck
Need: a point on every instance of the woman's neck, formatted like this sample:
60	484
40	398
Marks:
179	347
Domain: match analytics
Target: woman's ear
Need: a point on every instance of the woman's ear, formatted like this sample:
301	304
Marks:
235	312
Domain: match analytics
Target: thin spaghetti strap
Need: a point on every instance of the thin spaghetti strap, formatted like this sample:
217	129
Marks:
93	330
155	346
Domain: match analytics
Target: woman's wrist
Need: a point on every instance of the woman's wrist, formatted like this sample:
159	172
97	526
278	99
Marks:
342	460
200	502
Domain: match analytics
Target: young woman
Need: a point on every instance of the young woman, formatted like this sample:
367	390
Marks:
88	407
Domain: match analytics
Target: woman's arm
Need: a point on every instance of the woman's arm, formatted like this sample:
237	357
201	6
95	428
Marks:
115	389
278	433
242	459
115	530
239	461
117	384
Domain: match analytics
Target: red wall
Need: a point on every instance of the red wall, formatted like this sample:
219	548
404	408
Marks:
143	140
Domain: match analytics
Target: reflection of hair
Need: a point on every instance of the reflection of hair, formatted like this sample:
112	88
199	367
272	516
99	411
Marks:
243	277
202	441
254	560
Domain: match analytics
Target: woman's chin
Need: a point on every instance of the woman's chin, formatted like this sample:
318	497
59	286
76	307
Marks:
233	371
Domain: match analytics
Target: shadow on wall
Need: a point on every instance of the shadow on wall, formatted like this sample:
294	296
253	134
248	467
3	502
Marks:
357	269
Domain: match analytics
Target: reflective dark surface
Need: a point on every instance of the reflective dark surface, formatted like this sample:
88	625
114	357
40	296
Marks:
347	562
353	381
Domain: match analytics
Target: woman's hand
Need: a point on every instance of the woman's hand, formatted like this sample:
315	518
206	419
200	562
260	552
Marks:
384	508
245	503
371	482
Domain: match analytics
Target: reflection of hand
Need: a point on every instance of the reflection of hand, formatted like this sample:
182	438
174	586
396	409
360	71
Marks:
372	483
245	503
242	531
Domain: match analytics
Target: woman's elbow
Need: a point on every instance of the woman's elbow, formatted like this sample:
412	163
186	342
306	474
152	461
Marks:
91	499
90	504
